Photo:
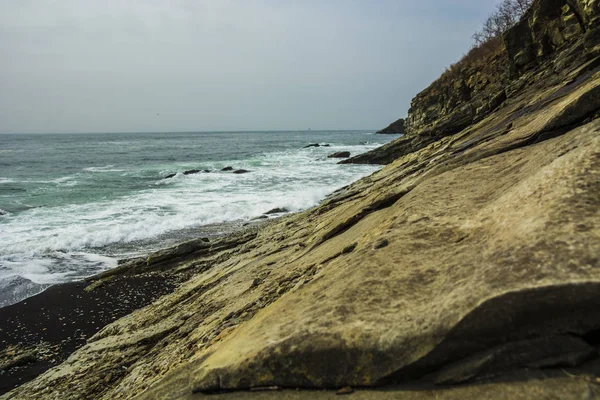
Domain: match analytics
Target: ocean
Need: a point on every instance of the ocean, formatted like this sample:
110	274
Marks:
72	205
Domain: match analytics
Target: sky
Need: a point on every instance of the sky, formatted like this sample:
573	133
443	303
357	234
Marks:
199	65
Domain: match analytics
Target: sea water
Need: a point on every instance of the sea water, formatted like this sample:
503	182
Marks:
71	205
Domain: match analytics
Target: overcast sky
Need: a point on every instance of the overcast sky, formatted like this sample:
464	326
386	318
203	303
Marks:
197	65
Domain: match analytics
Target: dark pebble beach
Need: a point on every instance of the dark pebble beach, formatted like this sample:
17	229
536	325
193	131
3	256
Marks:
42	331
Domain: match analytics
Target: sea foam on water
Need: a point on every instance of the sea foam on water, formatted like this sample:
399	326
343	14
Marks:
89	226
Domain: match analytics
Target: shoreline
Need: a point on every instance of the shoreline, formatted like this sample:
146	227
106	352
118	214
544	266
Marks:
43	330
467	267
153	245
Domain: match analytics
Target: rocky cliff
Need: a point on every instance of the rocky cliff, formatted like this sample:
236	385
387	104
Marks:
472	259
552	36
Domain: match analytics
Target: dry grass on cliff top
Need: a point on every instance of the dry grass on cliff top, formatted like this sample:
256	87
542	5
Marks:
479	58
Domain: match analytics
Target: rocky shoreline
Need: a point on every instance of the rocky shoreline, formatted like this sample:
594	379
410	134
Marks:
41	331
468	267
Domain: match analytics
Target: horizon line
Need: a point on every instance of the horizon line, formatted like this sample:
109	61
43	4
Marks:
188	131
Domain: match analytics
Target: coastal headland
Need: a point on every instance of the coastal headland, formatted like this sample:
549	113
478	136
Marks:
468	267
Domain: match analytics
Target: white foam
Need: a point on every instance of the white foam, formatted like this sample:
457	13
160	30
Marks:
106	168
66	180
52	244
6	180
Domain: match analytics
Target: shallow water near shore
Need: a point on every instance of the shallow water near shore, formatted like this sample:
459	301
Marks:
72	204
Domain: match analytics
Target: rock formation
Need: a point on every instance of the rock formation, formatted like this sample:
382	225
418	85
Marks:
395	127
473	256
552	38
339	154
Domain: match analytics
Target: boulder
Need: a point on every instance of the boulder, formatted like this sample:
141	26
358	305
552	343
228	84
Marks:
191	172
241	171
227	169
312	145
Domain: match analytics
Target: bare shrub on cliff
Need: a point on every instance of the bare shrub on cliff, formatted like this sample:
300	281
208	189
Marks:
478	54
506	15
488	45
475	59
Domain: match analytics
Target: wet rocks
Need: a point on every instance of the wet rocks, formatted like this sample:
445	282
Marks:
277	210
178	251
339	154
197	171
317	145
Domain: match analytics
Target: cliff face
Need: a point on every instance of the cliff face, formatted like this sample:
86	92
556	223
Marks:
473	257
552	36
550	26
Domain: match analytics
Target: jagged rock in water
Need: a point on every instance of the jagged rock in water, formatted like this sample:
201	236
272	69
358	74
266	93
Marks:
339	154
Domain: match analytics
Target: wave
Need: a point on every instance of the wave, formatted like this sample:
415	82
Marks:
106	168
69	179
59	243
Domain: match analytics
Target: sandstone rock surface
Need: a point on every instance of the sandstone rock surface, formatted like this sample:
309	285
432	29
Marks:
473	256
